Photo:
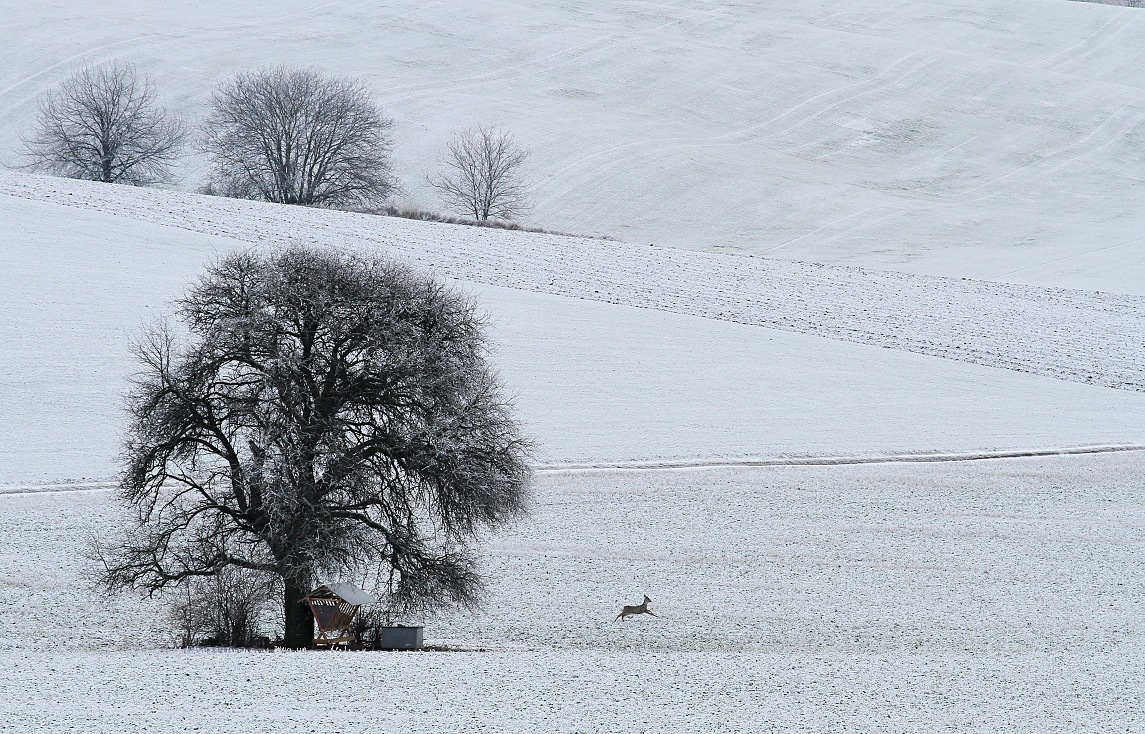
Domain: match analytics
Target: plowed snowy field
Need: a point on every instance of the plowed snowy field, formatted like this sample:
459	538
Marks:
985	596
996	596
617	353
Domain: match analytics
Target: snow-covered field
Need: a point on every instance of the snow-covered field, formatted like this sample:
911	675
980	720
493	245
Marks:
997	140
946	140
998	596
618	352
985	596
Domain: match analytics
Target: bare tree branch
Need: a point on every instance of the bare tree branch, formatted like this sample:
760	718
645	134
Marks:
102	124
483	176
293	136
329	415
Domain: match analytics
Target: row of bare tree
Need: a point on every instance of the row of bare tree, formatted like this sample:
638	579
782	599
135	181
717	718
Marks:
291	136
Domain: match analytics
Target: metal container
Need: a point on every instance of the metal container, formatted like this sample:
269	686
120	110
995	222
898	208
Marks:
399	638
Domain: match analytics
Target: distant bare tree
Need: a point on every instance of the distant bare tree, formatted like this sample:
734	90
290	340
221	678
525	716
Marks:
483	179
293	136
102	124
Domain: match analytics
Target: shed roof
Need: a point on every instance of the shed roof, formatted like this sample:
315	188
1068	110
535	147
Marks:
350	593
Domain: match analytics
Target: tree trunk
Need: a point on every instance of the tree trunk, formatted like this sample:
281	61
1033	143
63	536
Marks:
299	621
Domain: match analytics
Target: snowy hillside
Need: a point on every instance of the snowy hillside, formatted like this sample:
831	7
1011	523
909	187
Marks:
617	352
855	396
997	140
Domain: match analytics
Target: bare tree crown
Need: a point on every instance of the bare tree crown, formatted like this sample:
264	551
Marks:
293	136
102	124
330	414
483	177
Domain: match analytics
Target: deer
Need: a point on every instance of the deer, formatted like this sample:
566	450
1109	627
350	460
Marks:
630	610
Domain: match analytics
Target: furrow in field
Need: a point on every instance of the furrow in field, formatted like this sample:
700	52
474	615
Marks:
1080	336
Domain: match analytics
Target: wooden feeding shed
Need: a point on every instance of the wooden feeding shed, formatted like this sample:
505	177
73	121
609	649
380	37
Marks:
334	606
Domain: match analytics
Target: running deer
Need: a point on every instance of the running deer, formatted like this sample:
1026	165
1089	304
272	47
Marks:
630	610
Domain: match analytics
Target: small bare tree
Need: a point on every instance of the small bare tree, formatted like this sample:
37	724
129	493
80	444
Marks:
102	124
293	136
483	176
224	609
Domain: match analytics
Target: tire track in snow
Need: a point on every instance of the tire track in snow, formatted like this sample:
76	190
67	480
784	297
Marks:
75	57
1086	147
1084	48
16	489
698	464
89	52
794	117
531	67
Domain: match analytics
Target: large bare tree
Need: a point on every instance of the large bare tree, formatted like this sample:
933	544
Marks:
483	175
329	415
293	136
103	124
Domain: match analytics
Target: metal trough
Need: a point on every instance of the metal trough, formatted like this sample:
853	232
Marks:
399	638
